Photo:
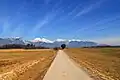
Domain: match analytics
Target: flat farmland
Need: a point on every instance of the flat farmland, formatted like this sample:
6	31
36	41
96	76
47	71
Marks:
20	64
100	63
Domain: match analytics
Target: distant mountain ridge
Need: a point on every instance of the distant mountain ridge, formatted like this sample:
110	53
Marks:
48	43
4	41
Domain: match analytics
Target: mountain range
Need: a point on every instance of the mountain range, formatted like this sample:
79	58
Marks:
48	43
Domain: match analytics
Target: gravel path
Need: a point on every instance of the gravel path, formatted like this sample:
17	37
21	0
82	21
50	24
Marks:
63	68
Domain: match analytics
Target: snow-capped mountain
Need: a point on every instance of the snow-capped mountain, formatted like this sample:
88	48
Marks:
48	43
57	43
42	40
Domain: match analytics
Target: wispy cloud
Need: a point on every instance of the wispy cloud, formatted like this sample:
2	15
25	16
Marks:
85	10
100	23
9	31
74	10
9	21
69	14
89	8
44	22
41	24
49	16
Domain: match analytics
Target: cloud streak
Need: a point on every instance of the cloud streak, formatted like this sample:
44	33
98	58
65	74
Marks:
89	8
85	10
7	24
100	23
49	16
44	22
74	10
69	14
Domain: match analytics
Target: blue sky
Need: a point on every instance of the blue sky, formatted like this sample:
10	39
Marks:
78	19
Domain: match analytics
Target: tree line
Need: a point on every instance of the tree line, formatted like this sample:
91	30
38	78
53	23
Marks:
20	46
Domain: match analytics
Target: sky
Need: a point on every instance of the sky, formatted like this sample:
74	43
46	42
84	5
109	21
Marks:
64	19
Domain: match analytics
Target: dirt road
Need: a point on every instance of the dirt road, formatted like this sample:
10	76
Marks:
63	68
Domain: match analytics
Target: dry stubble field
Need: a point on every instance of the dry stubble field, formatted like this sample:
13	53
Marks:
100	63
24	64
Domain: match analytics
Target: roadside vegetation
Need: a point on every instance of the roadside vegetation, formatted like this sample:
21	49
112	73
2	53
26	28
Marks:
100	63
20	64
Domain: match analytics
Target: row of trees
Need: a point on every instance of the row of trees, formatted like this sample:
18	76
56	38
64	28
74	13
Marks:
28	46
20	46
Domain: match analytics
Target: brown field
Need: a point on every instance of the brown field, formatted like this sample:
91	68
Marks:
20	64
100	63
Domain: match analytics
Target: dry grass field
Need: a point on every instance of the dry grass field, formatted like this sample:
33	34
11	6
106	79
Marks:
100	63
20	64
